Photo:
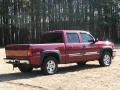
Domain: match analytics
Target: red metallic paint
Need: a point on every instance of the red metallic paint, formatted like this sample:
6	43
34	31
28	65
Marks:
69	52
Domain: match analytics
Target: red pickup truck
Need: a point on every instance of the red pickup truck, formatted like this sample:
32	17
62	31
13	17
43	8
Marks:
60	47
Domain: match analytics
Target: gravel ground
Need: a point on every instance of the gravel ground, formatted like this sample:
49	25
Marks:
69	77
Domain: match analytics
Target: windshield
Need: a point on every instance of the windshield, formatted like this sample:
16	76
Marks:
52	38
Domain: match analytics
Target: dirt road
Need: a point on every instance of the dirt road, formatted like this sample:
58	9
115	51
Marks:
69	77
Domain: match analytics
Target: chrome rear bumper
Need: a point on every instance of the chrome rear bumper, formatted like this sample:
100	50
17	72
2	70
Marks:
15	61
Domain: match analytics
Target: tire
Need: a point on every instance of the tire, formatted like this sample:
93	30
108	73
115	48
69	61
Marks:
105	59
25	68
49	66
82	63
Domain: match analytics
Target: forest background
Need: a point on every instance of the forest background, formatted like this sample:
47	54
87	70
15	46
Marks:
23	21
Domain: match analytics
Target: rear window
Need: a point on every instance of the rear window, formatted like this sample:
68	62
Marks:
52	38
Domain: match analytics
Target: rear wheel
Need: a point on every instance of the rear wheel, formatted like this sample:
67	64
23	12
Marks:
25	68
105	59
50	66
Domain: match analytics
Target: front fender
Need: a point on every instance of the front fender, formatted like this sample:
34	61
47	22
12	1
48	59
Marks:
106	48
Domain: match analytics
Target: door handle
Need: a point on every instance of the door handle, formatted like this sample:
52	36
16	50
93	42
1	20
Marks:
70	47
84	46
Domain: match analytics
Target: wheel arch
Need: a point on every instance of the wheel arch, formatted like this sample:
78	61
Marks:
104	49
55	54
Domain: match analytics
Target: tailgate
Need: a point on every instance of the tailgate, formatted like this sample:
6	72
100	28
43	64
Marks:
17	51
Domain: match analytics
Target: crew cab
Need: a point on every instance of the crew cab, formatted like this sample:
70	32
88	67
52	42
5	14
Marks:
60	47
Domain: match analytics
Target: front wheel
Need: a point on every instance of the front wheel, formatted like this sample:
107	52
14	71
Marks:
25	68
105	59
49	66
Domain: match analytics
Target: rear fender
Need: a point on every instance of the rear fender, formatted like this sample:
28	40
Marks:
54	53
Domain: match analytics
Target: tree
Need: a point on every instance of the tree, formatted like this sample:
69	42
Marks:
23	21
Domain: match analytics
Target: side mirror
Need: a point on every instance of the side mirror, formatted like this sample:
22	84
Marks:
93	41
96	40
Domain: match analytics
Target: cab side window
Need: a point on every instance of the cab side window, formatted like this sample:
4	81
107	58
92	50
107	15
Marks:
86	37
72	38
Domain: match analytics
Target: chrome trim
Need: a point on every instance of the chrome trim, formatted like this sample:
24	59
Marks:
75	55
17	61
24	61
91	53
80	54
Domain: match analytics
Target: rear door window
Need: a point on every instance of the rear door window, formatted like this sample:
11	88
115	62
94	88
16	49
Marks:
72	38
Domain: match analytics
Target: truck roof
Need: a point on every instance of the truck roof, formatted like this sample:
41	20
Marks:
82	31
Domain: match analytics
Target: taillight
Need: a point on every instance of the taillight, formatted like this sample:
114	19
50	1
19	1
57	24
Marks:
30	52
